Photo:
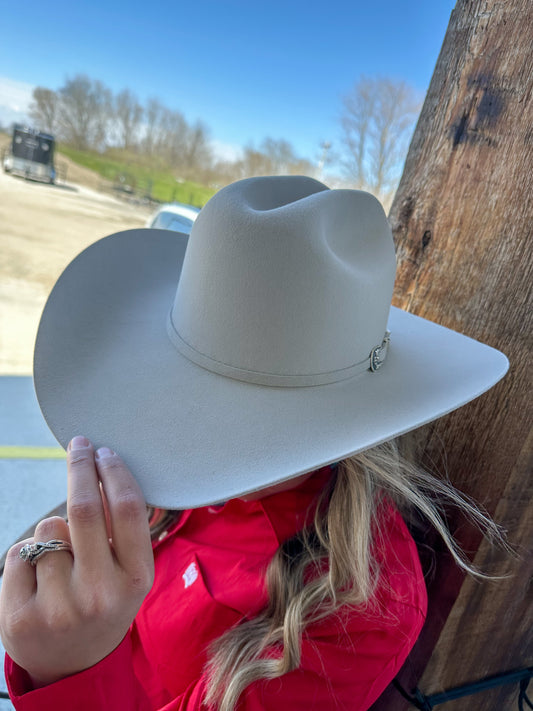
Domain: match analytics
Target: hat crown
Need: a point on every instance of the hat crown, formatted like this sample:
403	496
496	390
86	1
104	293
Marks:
287	278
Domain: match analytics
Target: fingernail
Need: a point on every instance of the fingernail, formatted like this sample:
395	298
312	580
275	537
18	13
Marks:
104	452
78	442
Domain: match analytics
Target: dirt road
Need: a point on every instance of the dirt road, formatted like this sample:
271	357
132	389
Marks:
42	227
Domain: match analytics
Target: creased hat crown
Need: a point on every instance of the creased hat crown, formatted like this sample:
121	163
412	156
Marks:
285	282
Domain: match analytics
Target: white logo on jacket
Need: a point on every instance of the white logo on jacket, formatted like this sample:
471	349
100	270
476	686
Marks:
190	575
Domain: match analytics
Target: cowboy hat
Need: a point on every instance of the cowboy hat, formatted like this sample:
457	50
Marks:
257	352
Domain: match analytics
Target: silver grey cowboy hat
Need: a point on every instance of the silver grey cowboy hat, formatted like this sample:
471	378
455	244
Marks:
269	359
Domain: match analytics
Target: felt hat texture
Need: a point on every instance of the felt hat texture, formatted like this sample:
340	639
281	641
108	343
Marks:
254	351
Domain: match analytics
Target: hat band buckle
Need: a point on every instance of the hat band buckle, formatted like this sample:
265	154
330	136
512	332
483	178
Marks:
373	362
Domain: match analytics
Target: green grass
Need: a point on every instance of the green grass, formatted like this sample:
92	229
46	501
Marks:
16	452
144	179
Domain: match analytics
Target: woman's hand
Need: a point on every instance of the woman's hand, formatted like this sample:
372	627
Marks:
72	609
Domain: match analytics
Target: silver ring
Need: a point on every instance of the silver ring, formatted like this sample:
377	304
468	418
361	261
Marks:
31	552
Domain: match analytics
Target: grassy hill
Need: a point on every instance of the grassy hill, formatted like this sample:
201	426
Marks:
130	174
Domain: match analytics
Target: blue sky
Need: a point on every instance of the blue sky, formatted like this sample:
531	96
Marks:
247	69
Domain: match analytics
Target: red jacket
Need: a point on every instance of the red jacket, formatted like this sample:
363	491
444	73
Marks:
209	575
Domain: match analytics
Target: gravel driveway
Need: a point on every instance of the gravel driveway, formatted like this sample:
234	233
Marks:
42	227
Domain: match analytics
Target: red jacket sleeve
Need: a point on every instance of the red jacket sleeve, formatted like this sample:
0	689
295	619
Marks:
110	684
345	666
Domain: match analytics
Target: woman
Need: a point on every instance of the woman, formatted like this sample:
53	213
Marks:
268	387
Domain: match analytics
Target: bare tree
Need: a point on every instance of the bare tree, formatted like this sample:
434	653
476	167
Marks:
172	137
279	155
128	116
165	132
274	157
86	110
377	121
152	112
198	154
44	109
252	163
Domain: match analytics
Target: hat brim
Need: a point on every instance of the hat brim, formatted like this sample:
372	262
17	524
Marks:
105	367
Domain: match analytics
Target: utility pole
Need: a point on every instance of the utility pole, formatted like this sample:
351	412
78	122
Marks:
462	219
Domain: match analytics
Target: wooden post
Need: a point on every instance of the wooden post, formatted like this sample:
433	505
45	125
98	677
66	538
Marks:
463	224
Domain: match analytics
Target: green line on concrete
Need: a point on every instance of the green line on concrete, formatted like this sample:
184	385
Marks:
17	452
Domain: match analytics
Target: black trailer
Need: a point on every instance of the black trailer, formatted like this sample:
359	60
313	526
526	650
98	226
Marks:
31	154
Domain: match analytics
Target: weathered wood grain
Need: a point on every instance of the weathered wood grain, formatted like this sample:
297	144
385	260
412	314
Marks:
462	220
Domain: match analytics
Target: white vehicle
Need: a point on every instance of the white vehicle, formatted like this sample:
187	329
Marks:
174	216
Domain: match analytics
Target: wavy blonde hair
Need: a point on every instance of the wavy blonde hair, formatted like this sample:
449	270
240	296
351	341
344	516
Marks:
331	564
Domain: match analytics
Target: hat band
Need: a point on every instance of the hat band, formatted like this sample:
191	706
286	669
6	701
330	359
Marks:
374	361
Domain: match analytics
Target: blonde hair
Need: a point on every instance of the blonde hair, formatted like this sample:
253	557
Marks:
337	551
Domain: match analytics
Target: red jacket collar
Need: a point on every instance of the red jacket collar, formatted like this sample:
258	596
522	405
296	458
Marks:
288	511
